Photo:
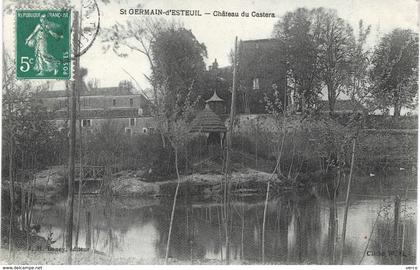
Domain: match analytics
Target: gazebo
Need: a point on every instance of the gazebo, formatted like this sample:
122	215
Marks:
209	122
216	104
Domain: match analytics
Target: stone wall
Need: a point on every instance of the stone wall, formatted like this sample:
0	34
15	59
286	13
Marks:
251	123
141	124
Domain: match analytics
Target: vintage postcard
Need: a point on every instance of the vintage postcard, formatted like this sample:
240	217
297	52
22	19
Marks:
171	132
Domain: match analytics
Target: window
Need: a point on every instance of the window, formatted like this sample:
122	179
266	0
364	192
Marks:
86	102
144	130
132	122
255	84
128	131
86	123
114	102
62	104
131	102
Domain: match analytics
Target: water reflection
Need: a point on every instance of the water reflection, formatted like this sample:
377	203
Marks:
299	229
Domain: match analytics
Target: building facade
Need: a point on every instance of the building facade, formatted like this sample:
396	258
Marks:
261	71
126	110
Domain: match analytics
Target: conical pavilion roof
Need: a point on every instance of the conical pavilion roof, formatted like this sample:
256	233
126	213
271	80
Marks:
215	97
207	121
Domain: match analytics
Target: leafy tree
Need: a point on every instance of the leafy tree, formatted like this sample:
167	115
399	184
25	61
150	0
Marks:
175	58
27	134
319	48
360	64
215	78
335	41
295	29
395	70
25	121
93	84
125	84
179	64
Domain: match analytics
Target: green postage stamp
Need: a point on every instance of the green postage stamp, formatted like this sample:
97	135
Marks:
43	44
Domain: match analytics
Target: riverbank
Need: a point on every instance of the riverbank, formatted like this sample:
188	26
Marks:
205	182
244	182
23	257
50	185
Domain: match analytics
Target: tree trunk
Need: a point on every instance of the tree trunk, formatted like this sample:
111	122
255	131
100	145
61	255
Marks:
242	230
44	198
397	110
343	236
264	218
12	195
72	144
88	230
220	231
173	207
23	205
331	99
397	205
228	149
331	232
79	195
70	185
30	208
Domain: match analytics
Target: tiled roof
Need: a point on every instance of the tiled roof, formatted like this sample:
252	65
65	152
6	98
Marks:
262	40
51	94
101	113
103	91
108	91
215	97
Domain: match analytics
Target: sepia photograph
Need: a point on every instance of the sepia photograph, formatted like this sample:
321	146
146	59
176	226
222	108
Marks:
240	132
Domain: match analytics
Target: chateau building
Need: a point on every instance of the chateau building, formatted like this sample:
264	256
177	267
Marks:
261	70
119	105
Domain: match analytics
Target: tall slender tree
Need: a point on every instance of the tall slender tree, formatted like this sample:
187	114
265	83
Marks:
360	64
295	29
335	41
395	70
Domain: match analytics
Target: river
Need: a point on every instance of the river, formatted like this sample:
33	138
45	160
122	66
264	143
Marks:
299	229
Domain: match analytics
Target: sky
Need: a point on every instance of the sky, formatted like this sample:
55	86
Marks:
218	33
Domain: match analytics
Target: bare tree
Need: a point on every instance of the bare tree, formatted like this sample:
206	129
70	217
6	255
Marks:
8	85
136	36
179	136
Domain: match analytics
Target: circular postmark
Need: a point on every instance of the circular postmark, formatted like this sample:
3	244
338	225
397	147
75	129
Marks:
89	25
